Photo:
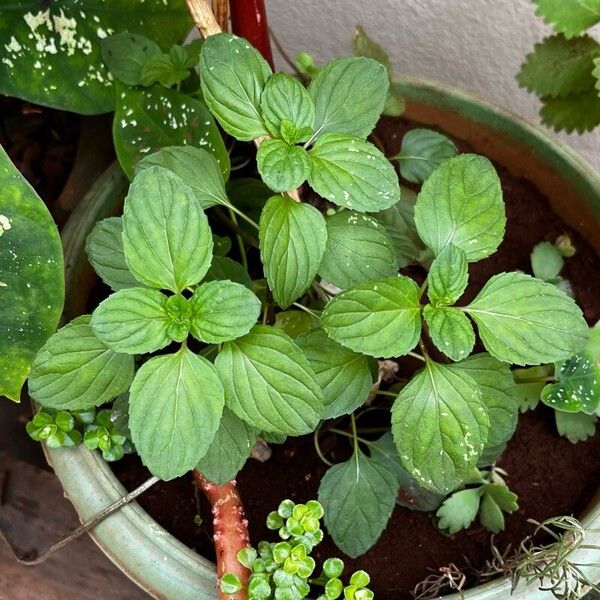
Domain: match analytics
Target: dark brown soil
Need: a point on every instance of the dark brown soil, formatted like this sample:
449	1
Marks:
551	476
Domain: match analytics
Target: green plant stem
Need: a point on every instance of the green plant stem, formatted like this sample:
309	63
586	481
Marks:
423	288
549	378
354	433
318	447
240	241
386	393
351	436
423	350
252	241
416	355
302	307
265	314
244	216
209	350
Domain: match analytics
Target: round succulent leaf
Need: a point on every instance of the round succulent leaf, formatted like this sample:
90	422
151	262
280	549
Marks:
74	370
461	203
380	318
450	330
222	311
440	425
281	166
352	173
525	321
546	261
570	18
166	237
349	94
343	375
187	162
148	119
423	151
286	99
175	405
269	383
133	321
358	249
233	77
125	55
459	510
292	239
448	276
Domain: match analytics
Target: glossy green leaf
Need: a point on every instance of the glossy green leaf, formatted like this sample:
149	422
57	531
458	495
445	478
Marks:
295	322
292	242
546	261
358	497
166	238
285	98
577	112
74	370
344	376
233	76
133	321
196	167
149	119
51	51
576	427
31	277
125	55
223	267
281	166
448	276
352	173
104	249
440	425
461	203
380	318
223	311
499	395
349	95
269	383
175	405
358	250
450	330
423	151
525	321
229	449
570	18
459	510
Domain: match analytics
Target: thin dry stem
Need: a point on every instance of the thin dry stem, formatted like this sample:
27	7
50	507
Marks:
204	17
221	11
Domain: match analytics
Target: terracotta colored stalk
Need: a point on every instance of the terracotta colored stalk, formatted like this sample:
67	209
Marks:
249	20
230	531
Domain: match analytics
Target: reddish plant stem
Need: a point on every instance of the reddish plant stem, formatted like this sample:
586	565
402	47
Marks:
230	531
249	20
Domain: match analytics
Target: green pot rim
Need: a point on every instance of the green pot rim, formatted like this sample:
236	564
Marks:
130	538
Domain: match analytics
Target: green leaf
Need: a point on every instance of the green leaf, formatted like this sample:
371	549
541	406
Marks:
529	384
423	151
286	99
352	173
175	405
349	94
292	242
461	203
490	515
223	267
269	383
578	112
52	55
223	311
459	510
525	321
166	237
125	55
74	370
546	261
395	104
281	166
31	277
149	119
187	163
560	67
358	250
358	497
440	425
344	376
576	427
233	76
450	330
499	395
222	245
363	45
380	318
295	322
133	321
503	497
570	18
229	449
104	249
163	69
448	276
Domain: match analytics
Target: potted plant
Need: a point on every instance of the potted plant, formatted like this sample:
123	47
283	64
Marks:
197	356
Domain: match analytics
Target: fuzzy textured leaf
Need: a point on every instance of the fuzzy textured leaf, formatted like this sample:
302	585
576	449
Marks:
74	370
423	151
269	383
352	173
525	321
570	18
281	166
450	330
578	112
381	318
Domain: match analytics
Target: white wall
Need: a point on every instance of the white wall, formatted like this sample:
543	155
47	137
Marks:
477	45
